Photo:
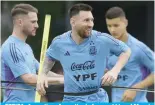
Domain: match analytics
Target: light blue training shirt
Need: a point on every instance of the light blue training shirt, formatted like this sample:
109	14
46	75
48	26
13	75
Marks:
84	64
141	62
17	59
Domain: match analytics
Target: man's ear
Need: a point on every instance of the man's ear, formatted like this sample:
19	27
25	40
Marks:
72	21
126	22
20	22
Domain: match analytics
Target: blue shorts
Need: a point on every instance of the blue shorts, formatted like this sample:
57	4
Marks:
100	96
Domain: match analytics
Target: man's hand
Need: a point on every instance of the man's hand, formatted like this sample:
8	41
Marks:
129	96
105	71
41	84
110	77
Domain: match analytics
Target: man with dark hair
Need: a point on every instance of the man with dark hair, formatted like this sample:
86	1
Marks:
76	8
18	61
134	74
82	53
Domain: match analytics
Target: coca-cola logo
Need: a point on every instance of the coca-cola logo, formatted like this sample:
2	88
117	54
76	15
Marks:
84	66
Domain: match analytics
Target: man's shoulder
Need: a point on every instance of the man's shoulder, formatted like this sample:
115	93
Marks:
98	34
135	42
138	45
9	41
62	37
6	44
7	48
101	36
11	46
143	47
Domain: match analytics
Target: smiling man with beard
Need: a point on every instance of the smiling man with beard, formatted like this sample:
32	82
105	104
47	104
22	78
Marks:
82	53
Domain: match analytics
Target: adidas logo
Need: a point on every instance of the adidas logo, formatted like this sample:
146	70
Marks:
67	54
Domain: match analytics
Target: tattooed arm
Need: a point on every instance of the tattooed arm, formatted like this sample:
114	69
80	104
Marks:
44	79
48	64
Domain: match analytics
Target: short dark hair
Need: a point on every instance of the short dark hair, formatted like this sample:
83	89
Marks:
115	12
75	9
22	9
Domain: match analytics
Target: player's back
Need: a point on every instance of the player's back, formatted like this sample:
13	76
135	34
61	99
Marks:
17	59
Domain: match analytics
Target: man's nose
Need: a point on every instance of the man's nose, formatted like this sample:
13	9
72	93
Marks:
91	24
36	25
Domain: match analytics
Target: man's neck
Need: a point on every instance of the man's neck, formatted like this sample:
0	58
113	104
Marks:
124	37
76	37
17	33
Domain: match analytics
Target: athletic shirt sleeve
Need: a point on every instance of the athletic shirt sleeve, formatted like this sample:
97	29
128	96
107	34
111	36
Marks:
53	50
146	56
115	46
13	57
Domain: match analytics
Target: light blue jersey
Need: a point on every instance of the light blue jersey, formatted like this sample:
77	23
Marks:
84	64
17	59
141	60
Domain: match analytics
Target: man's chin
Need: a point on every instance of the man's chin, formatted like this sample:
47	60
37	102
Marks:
33	35
116	36
86	35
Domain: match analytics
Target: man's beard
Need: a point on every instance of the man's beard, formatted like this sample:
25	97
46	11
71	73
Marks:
27	33
82	34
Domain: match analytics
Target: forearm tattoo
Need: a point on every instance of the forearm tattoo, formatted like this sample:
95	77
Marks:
48	64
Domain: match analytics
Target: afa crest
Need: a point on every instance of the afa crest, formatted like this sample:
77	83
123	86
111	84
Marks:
92	50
